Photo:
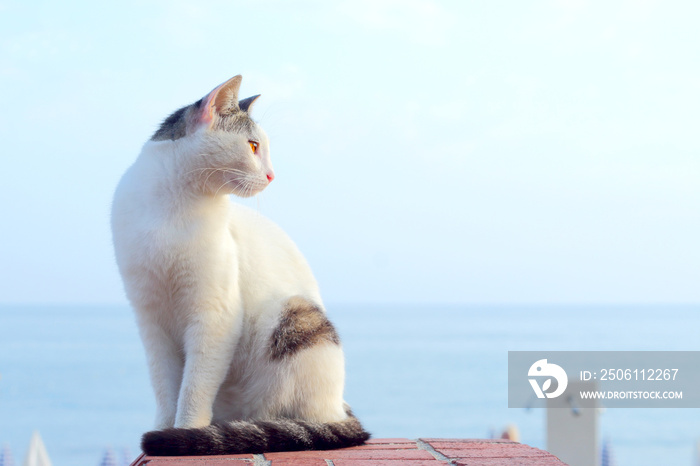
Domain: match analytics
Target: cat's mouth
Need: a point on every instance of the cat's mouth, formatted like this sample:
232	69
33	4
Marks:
246	186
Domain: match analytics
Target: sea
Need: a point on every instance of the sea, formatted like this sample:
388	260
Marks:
77	374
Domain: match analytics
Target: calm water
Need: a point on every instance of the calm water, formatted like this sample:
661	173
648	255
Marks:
78	374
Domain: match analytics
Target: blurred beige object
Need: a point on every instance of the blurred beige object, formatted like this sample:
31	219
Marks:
511	433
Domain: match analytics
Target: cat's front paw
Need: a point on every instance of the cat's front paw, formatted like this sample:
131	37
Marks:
164	420
192	422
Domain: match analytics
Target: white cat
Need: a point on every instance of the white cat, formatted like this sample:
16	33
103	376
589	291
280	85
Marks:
241	355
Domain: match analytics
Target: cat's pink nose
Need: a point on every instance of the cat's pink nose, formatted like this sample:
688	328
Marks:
270	177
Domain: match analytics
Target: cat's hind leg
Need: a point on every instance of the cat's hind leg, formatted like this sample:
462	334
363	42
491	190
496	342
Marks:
307	360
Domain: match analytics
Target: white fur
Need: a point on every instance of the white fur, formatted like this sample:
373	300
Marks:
208	280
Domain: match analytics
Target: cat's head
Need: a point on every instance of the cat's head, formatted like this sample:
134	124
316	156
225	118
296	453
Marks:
225	152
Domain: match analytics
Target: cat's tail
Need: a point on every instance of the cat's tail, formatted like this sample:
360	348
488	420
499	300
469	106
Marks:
254	437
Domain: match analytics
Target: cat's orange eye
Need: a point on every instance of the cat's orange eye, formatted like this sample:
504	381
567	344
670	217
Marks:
253	146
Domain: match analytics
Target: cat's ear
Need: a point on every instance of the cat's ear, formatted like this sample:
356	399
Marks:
245	104
222	100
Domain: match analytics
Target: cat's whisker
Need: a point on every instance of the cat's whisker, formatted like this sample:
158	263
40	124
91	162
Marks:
209	176
235	171
202	172
199	170
247	184
222	185
255	187
247	188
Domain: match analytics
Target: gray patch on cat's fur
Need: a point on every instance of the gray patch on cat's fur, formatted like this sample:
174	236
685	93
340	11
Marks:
238	122
245	104
302	325
175	126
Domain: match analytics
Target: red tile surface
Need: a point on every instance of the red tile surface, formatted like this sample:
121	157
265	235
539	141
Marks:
385	446
553	461
355	455
299	462
227	460
193	461
467	440
389	441
432	462
452	444
493	453
385	452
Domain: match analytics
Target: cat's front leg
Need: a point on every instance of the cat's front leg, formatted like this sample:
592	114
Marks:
165	364
210	342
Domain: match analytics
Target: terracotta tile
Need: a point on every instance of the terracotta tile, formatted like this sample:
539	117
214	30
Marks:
467	440
197	460
299	462
432	462
508	462
355	455
390	440
493	453
457	445
384	446
385	452
194	461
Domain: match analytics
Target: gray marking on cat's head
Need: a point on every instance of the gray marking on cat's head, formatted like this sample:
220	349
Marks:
238	122
232	115
174	127
245	104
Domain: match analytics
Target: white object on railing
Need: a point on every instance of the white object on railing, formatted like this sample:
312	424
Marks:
36	453
572	431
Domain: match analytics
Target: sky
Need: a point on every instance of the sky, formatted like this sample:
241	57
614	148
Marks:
424	151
